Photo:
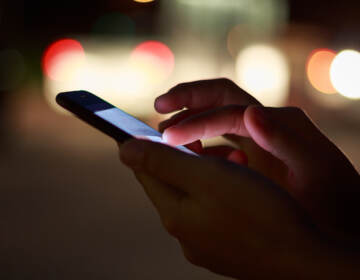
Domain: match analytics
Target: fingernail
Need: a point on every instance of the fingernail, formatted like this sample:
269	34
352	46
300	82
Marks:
168	138
165	137
132	153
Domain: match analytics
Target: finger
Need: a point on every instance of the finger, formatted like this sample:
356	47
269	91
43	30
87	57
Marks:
165	199
296	119
178	117
168	165
226	152
266	128
203	94
213	123
197	176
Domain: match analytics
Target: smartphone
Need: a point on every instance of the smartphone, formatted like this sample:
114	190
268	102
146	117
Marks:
109	119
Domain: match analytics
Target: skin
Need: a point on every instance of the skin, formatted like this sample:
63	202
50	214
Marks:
282	204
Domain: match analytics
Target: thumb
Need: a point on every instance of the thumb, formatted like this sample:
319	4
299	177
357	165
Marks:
267	128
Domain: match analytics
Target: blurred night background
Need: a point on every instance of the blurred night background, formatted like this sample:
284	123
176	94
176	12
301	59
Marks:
68	208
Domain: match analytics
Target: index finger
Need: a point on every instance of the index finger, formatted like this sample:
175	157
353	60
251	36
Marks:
213	123
203	94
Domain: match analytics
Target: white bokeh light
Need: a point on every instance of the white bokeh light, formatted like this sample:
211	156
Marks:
263	71
345	73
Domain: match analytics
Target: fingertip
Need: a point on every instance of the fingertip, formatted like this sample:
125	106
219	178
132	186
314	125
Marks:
165	137
168	136
160	104
165	104
171	136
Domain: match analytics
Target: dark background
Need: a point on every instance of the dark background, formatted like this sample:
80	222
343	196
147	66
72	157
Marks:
68	208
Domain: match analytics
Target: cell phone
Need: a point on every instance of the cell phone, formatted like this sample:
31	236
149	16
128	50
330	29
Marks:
109	119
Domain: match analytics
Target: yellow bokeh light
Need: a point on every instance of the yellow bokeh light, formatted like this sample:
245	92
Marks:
344	73
263	71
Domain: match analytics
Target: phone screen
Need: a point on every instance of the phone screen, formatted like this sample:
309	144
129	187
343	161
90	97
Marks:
112	115
133	126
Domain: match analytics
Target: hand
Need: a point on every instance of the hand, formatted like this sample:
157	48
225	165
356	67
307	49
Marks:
230	219
289	149
203	96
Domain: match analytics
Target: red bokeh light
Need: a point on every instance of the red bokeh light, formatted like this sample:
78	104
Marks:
56	51
160	55
318	70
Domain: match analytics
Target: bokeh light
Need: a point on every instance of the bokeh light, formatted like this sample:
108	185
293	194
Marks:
127	76
62	59
345	75
263	71
318	70
154	58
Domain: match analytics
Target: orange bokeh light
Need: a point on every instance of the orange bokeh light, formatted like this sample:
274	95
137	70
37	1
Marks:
318	70
61	52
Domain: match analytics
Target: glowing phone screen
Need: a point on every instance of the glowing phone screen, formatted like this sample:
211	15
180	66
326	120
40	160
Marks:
133	126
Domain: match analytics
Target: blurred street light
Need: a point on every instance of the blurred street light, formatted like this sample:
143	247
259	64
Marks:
345	73
263	71
318	70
